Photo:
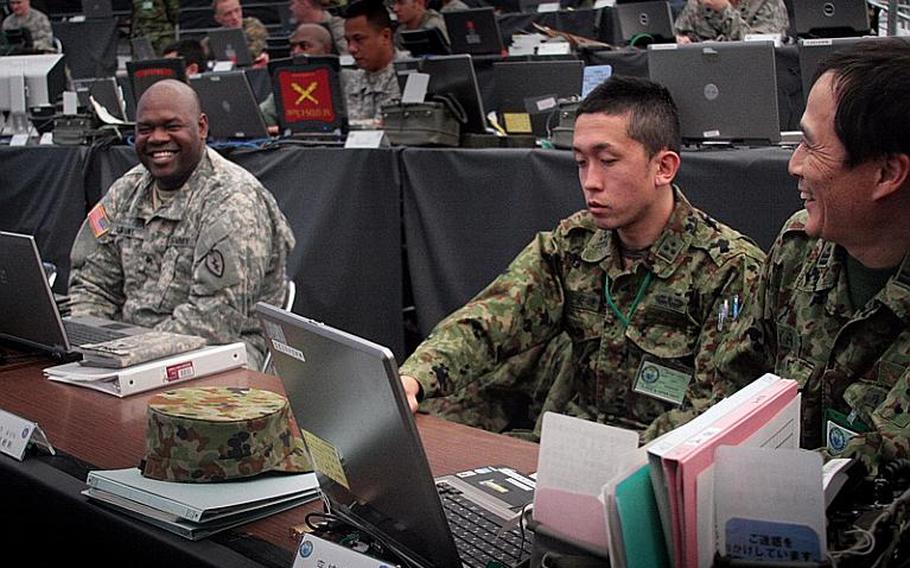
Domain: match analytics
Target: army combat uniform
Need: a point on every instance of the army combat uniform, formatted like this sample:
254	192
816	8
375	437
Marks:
734	22
38	26
639	341
196	265
366	91
852	362
431	19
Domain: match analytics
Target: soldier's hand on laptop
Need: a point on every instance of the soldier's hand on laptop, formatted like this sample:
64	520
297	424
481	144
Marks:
412	390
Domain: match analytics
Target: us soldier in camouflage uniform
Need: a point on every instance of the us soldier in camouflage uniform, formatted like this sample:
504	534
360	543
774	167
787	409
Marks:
35	21
635	285
156	20
185	242
414	15
218	434
730	20
832	309
229	14
368	30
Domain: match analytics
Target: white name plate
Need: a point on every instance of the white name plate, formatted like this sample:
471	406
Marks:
366	139
16	433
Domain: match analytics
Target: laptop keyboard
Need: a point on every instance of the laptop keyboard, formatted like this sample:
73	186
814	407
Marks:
476	534
82	334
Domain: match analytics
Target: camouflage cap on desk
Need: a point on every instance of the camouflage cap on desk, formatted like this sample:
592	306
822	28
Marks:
220	433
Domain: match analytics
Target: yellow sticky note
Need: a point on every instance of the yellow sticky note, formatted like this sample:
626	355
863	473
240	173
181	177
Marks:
325	458
517	122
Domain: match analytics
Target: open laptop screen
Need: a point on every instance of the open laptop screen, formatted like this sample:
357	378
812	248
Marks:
308	95
352	412
144	74
475	32
228	101
830	18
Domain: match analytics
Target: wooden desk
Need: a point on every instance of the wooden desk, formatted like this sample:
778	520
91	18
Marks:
107	432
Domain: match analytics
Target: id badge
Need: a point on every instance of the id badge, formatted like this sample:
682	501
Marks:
662	382
839	428
148	5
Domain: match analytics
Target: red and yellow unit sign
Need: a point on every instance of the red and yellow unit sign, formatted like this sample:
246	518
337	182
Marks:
306	95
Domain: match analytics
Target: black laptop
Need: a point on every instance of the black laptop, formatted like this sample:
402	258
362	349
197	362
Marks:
30	314
429	41
228	101
309	98
349	403
229	44
728	92
144	74
830	18
643	23
453	76
475	32
515	83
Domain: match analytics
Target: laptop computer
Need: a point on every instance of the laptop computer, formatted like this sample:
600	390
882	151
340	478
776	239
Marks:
229	44
728	91
350	406
228	101
645	22
516	82
475	31
451	75
97	9
813	51
309	98
428	41
144	74
105	91
830	18
142	49
30	314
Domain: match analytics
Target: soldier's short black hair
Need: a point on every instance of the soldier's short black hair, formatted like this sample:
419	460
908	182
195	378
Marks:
871	86
375	11
190	50
653	117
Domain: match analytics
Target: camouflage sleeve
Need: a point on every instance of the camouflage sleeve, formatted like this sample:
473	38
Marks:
519	310
230	260
96	279
172	11
762	17
737	278
42	35
256	35
889	438
686	20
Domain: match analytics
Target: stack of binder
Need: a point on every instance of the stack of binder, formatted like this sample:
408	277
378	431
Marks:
197	510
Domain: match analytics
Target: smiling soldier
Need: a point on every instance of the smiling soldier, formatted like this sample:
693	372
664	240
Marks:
185	242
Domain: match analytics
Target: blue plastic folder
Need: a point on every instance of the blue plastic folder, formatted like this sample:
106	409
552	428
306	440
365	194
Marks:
642	534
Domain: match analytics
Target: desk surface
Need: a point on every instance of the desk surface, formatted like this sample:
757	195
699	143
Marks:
108	432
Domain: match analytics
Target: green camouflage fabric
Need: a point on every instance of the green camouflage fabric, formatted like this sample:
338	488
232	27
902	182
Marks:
733	23
430	19
365	92
155	19
38	25
256	35
543	332
218	434
196	265
851	359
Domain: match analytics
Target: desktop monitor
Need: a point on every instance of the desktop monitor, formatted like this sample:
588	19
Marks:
144	74
830	18
451	75
44	77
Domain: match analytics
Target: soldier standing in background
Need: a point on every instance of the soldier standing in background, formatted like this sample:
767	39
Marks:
156	20
730	20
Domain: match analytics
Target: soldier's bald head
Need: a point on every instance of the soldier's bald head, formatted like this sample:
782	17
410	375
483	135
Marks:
174	93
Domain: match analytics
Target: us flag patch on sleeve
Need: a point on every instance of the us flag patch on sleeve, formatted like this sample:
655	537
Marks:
98	221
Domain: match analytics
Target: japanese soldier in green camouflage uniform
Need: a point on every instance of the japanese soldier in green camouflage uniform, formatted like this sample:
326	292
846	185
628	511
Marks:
730	20
186	241
832	308
155	19
631	288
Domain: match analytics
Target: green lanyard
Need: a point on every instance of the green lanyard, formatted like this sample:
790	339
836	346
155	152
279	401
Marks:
638	297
